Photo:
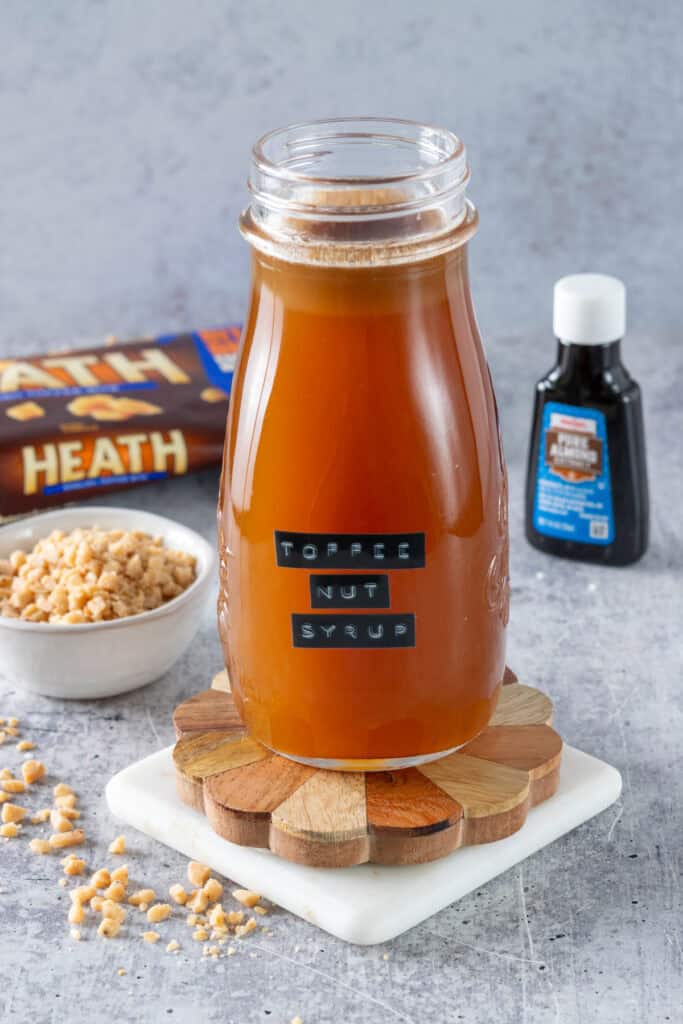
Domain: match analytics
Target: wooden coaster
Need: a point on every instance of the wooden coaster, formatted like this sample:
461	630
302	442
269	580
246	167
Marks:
335	819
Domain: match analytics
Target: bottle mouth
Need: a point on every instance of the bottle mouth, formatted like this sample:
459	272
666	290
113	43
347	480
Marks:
357	190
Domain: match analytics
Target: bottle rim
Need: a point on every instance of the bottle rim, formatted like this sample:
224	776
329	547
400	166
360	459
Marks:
358	190
358	127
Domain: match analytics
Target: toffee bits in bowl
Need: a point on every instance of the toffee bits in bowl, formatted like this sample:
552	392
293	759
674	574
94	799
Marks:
97	601
92	575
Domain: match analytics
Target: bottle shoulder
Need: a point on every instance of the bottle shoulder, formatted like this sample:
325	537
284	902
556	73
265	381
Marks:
610	388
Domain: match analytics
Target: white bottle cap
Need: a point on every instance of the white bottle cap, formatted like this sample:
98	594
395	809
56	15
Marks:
589	309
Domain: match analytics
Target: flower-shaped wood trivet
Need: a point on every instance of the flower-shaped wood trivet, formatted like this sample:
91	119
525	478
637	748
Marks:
334	819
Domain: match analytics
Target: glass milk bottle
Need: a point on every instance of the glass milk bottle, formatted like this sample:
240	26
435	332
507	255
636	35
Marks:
363	514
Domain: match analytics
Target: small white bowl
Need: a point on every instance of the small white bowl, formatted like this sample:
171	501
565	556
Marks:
100	659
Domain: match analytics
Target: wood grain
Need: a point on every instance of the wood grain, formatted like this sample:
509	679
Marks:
190	788
221	681
522	705
406	801
205	754
495	826
333	819
410	820
259	787
535	749
239	803
329	807
302	850
509	676
325	820
209	710
481	787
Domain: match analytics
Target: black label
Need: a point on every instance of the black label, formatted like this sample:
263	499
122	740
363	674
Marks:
349	591
350	550
353	630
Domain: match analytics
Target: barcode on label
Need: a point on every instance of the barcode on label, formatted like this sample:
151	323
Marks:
599	529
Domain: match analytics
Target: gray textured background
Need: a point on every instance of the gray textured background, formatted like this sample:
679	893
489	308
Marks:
125	130
126	126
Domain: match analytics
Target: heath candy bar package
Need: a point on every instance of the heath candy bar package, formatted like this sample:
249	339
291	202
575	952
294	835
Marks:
95	420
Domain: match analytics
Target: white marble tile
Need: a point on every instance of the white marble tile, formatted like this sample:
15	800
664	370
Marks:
369	903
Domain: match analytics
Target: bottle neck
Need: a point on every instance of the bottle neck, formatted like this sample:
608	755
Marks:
592	365
593	360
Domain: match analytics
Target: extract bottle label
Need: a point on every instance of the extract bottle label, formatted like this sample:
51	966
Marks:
573	497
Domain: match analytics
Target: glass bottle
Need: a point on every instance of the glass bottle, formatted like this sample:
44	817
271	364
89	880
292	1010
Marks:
363	513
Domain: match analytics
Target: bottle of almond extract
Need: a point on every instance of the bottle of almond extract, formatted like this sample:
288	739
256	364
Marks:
586	494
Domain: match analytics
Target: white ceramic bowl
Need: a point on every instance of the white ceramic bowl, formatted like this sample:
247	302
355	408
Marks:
101	659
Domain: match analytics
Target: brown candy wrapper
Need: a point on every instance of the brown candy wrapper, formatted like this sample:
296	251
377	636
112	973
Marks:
95	420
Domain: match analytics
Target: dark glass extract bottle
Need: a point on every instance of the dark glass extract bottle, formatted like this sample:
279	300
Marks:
586	492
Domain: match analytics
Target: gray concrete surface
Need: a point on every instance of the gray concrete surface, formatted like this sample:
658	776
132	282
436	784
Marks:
125	130
588	930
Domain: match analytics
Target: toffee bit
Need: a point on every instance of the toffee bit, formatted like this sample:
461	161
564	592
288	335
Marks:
118	846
